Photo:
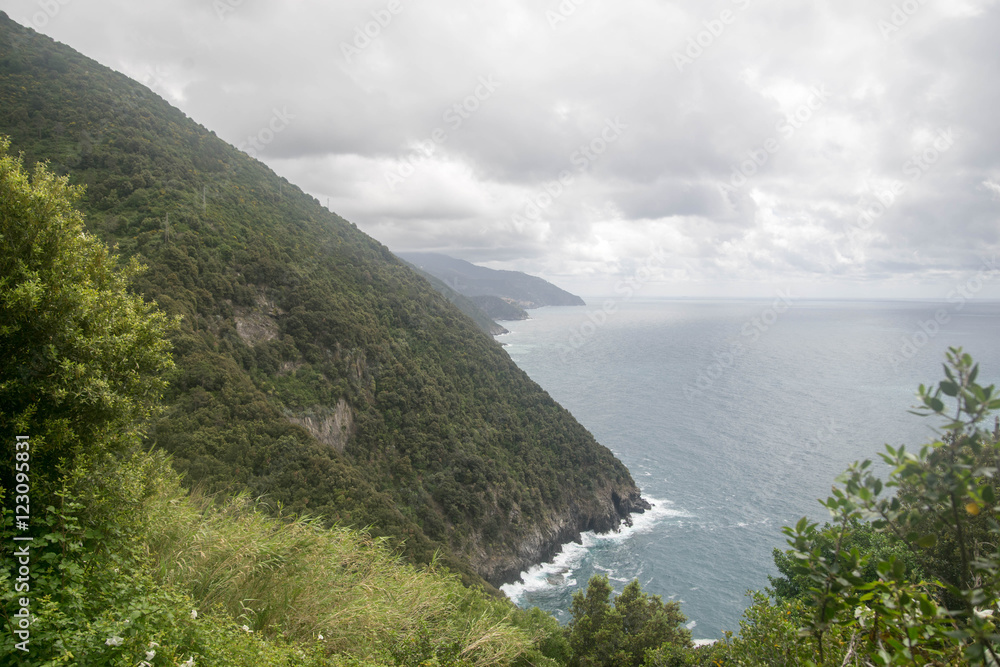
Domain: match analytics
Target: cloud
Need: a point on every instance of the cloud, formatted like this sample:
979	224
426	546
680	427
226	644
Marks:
756	134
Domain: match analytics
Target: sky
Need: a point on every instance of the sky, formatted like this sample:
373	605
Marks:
729	148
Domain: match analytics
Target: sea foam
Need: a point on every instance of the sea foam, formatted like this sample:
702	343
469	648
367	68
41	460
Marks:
558	573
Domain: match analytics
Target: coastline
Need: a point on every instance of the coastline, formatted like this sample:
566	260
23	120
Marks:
559	568
612	514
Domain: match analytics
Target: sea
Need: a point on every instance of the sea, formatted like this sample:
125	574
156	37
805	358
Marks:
734	418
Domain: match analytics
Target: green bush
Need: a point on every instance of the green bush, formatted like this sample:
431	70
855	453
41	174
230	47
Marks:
943	511
622	633
84	357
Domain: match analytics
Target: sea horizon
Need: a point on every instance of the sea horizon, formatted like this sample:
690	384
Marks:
733	429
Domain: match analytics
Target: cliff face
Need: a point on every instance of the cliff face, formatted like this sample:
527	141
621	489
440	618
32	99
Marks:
543	541
313	367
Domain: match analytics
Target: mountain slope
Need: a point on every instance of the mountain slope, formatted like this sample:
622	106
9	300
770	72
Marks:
470	307
472	280
498	308
313	367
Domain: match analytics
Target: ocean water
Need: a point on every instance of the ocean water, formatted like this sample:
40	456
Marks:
734	417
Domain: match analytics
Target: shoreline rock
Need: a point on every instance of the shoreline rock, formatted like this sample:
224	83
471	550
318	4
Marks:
542	543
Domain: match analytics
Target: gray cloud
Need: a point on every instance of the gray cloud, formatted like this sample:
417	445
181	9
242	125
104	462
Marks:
446	125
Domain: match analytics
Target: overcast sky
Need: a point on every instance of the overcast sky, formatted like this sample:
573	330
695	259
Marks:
727	148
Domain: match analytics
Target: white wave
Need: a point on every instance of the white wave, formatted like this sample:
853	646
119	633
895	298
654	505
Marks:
641	523
546	575
559	571
691	625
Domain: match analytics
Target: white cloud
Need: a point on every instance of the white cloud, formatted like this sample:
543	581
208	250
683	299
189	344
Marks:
357	118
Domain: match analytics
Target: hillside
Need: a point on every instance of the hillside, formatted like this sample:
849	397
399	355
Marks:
312	366
473	281
477	314
498	308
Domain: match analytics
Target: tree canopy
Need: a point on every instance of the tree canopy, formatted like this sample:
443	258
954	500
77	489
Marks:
83	357
602	634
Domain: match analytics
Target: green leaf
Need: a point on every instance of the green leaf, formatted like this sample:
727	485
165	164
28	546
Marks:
927	608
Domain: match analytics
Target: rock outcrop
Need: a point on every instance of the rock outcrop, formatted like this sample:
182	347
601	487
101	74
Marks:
544	541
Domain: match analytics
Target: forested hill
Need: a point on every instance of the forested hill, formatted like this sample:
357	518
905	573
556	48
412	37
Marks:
475	281
312	366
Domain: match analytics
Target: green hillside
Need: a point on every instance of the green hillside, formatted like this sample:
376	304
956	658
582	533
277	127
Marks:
500	309
465	304
312	366
473	280
114	563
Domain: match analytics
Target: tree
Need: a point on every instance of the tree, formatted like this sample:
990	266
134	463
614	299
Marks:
941	495
83	357
875	546
623	634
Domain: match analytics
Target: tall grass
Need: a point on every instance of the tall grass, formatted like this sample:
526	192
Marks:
290	576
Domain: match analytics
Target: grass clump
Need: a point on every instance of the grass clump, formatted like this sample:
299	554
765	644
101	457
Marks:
134	565
291	578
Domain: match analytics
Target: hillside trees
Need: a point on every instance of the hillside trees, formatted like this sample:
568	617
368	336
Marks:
83	357
621	634
125	567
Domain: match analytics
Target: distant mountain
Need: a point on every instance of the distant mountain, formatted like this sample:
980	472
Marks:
499	309
470	306
471	280
484	310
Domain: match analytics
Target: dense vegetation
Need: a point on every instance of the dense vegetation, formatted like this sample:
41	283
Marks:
124	567
500	309
468	306
296	358
312	366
